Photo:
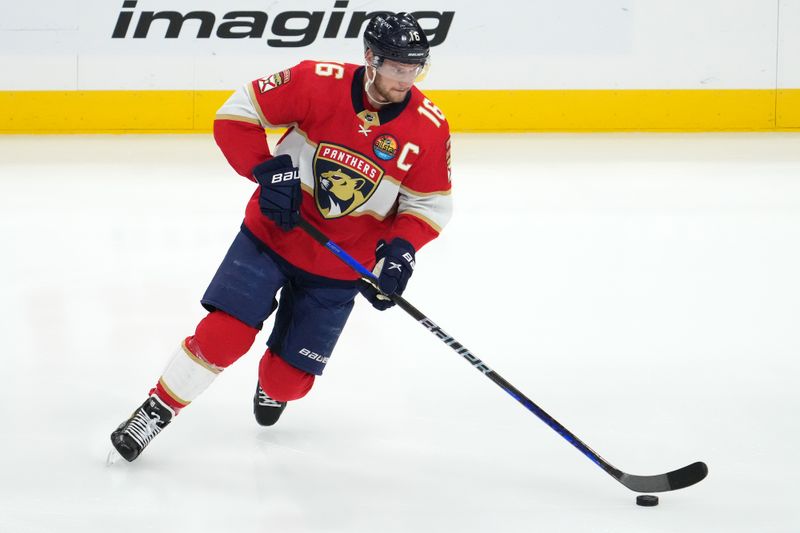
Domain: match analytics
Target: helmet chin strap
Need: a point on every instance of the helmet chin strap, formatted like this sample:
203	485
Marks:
368	83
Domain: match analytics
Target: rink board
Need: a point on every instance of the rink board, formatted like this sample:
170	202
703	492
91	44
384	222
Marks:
467	110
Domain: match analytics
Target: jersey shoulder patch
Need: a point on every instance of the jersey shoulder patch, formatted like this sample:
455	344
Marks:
296	73
273	81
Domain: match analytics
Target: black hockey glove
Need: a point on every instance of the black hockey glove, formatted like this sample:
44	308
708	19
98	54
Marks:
393	268
280	195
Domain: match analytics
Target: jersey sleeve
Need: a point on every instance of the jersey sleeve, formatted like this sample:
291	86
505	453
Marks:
243	144
276	100
425	203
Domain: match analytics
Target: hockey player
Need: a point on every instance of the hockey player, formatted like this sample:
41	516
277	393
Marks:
366	159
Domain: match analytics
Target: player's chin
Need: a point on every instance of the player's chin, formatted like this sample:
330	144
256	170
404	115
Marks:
398	96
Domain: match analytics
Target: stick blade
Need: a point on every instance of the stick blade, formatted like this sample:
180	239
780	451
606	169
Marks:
677	479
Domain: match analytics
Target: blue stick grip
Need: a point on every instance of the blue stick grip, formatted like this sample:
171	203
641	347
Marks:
347	258
320	237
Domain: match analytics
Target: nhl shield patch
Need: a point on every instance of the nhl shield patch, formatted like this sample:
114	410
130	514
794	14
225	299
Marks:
274	81
344	178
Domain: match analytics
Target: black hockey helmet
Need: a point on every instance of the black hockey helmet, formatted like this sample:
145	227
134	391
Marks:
398	37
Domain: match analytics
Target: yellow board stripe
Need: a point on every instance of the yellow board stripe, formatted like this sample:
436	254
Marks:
787	103
478	111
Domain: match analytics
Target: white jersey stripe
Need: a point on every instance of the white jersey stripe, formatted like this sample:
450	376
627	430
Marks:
238	119
239	104
435	210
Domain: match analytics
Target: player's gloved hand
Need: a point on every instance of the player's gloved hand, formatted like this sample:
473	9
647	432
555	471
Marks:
393	268
280	191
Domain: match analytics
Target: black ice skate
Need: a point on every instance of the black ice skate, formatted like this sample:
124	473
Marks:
267	410
133	435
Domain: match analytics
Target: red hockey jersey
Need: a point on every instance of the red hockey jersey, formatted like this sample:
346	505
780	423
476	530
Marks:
366	175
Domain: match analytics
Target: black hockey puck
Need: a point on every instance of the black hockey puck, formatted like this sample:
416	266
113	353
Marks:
646	500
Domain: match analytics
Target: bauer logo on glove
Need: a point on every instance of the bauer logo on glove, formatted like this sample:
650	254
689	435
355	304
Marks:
285	176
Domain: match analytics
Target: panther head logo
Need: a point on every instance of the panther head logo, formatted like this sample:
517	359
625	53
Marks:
344	179
341	191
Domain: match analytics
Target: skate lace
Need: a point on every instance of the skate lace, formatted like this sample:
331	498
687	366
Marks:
266	401
142	428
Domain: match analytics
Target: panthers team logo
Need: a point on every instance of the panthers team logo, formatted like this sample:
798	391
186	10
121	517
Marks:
344	178
274	81
385	147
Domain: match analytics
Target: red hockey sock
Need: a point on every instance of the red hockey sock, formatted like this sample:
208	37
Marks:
165	397
219	340
280	380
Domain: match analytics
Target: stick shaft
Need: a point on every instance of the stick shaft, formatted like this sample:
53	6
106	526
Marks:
464	352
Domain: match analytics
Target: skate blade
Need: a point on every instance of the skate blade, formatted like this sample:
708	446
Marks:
113	457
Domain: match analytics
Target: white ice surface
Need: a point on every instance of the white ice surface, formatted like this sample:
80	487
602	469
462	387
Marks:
642	288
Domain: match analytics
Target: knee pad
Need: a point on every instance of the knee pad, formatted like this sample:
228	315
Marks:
280	380
221	339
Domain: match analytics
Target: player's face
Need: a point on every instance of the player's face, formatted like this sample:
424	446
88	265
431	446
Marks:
394	88
392	79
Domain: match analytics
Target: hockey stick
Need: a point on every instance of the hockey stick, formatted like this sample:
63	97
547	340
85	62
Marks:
677	479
